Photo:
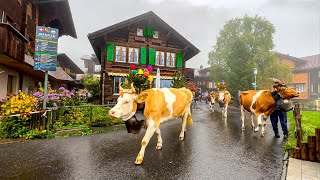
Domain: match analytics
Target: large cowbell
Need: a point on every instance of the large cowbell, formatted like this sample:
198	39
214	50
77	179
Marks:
134	124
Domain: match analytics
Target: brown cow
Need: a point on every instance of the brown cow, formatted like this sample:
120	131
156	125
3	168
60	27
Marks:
161	104
262	104
224	97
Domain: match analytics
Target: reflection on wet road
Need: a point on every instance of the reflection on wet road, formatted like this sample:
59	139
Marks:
213	149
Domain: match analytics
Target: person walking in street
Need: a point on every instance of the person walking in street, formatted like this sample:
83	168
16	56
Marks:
278	114
282	116
206	95
195	99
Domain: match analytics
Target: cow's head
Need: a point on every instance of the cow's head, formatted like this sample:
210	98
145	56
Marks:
221	97
288	93
126	105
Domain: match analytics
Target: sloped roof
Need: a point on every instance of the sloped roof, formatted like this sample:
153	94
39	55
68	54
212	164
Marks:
66	62
311	62
60	75
295	59
98	37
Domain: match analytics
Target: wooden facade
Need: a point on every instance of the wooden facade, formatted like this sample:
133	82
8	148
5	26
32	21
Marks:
18	21
143	40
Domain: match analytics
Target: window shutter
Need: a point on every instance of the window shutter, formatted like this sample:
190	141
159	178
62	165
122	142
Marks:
179	60
152	53
110	52
143	55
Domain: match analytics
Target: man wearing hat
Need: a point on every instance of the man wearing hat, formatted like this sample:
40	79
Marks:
278	114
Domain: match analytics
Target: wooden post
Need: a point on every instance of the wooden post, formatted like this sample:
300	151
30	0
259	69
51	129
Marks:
304	150
318	144
297	117
312	148
296	153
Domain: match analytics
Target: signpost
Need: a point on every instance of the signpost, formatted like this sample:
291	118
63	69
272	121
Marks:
45	55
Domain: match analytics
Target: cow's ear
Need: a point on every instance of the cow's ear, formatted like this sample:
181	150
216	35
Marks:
142	97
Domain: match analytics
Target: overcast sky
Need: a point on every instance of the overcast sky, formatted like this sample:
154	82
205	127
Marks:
297	22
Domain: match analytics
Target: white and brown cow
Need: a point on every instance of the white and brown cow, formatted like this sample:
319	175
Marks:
213	97
161	104
224	98
261	103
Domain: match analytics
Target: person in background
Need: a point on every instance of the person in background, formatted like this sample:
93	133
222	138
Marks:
237	99
279	115
206	94
196	99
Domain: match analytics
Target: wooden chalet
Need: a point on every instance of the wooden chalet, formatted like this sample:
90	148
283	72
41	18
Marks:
18	21
142	40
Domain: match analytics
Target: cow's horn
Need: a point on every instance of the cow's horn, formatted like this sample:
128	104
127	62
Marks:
120	87
132	88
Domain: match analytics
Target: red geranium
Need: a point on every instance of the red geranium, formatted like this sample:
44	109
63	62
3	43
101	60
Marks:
132	66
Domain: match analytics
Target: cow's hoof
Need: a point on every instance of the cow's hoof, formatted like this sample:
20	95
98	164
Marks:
263	134
139	160
159	146
181	138
243	129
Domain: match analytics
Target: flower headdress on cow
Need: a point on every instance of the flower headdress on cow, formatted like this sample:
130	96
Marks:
278	84
222	85
141	79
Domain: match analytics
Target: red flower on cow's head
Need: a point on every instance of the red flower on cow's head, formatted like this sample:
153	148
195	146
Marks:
132	66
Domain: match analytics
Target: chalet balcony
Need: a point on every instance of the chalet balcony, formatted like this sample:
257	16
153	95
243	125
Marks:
12	42
31	28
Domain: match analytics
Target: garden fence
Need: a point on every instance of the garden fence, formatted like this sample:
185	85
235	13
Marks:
309	150
45	118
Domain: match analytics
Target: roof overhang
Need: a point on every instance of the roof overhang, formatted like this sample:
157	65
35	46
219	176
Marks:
66	62
98	38
60	10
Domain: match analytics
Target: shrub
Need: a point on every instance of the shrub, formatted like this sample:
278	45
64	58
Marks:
35	133
100	117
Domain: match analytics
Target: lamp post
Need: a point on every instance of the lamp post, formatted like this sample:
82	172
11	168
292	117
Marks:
255	72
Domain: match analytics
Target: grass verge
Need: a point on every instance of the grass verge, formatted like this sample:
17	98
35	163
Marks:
309	121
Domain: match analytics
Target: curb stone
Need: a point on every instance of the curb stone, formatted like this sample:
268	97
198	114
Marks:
285	166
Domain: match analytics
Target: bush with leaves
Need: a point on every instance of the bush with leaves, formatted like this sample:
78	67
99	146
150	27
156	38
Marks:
36	133
92	83
178	81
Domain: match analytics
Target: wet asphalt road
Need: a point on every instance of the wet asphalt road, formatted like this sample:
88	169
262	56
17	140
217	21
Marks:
213	149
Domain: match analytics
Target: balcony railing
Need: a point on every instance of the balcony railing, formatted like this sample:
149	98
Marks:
12	42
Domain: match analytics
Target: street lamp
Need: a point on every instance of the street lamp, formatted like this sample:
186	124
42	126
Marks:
255	72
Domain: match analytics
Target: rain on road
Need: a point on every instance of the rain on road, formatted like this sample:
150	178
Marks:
213	149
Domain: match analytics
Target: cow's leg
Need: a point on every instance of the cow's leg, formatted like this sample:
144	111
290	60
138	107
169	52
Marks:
259	118
226	110
150	131
159	144
242	117
184	124
252	123
263	133
212	106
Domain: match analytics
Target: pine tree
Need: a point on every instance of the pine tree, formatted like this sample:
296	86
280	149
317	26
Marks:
178	81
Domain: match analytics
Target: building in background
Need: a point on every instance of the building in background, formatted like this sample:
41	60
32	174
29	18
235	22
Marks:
142	40
18	21
91	64
203	80
306	75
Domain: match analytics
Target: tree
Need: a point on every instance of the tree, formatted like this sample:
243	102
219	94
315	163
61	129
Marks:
92	83
178	81
243	44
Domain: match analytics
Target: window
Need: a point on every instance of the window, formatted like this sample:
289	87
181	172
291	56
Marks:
171	59
300	88
210	85
318	88
155	34
312	88
117	80
163	83
319	74
121	53
160	58
133	55
139	32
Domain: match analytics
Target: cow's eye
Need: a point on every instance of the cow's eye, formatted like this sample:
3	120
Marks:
126	102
